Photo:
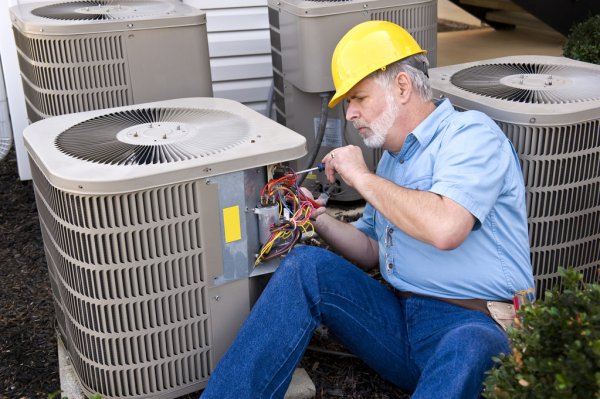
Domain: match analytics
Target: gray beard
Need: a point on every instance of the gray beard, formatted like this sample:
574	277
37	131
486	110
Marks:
381	126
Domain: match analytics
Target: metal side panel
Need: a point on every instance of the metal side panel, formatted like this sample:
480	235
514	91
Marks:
169	63
239	194
229	306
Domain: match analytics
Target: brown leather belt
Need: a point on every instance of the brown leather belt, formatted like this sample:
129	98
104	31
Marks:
473	304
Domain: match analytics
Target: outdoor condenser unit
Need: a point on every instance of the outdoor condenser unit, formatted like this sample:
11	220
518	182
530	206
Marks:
549	107
148	223
84	55
304	34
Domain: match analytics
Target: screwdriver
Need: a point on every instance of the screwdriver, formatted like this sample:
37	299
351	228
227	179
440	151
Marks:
320	167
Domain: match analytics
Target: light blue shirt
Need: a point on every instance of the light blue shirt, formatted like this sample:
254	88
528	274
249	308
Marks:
463	156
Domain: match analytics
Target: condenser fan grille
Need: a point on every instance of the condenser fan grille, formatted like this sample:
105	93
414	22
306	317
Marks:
530	82
103	10
153	136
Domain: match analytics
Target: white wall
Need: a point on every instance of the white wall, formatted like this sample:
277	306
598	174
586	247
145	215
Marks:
14	88
240	49
240	58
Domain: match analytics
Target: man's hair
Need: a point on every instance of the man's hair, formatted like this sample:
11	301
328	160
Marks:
415	67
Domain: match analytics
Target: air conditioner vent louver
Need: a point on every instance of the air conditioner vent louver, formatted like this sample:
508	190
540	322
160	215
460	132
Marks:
101	10
153	136
530	83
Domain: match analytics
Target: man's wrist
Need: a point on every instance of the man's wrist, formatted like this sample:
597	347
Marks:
314	218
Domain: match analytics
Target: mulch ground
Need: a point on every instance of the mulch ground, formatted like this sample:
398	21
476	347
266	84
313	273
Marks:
28	356
28	351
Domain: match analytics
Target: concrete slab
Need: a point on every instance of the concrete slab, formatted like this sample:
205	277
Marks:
451	12
485	43
69	384
301	386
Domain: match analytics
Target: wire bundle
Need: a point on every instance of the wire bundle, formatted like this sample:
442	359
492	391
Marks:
295	210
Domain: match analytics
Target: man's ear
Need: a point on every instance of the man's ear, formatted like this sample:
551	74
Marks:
403	86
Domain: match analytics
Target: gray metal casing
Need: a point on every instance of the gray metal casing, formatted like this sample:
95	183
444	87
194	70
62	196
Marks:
70	66
305	33
149	292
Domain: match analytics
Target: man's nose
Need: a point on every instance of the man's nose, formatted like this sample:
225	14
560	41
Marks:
351	112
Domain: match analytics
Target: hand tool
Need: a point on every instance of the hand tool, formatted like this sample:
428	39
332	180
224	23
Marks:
320	167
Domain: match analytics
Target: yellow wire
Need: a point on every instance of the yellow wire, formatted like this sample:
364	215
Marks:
300	219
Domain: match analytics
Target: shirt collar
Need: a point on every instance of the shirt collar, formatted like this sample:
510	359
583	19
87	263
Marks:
427	129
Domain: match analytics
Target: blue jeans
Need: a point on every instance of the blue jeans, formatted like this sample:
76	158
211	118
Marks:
422	345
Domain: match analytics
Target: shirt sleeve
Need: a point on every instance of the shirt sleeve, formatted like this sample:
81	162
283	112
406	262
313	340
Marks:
471	165
366	223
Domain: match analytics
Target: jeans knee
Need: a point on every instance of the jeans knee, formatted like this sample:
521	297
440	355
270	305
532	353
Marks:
298	267
305	259
298	260
310	267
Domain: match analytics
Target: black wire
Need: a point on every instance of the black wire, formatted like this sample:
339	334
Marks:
320	134
269	109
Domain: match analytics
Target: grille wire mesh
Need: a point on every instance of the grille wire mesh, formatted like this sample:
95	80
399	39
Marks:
552	84
96	140
98	10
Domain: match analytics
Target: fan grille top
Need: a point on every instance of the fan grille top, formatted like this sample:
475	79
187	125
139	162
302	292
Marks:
532	83
88	10
153	136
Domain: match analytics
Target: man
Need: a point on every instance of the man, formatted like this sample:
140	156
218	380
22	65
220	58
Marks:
445	221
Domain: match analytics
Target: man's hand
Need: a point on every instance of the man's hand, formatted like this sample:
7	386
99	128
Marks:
342	237
348	162
321	201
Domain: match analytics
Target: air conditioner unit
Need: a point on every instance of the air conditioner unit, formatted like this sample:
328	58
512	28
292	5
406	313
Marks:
84	55
549	107
150	236
304	34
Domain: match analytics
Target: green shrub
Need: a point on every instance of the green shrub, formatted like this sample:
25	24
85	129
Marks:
583	43
555	347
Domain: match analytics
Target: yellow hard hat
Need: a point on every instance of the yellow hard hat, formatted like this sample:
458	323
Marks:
367	47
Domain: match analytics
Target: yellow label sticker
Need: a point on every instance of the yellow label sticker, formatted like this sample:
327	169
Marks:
231	223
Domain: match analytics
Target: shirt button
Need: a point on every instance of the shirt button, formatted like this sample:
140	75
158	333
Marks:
401	161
